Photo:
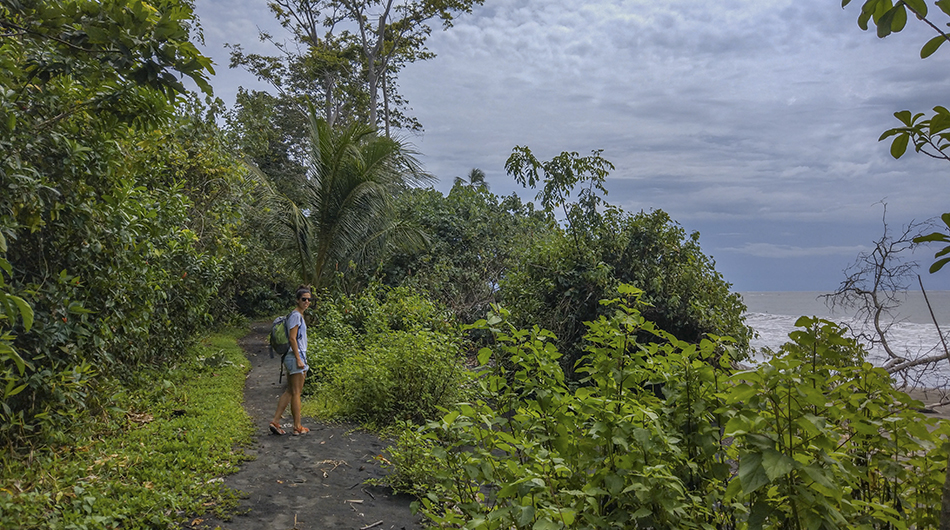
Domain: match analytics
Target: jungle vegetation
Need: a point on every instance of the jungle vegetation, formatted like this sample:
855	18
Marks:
564	364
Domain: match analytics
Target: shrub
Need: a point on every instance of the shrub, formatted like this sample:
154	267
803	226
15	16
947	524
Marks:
402	376
560	281
819	441
384	356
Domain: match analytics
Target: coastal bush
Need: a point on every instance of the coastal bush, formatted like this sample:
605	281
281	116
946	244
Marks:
823	439
384	356
814	438
560	281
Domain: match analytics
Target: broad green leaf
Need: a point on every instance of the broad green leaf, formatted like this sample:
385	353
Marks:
939	123
614	483
751	473
863	19
932	46
938	265
736	426
944	6
484	355
732	490
905	117
936	236
900	18
742	392
526	515
918	6
450	418
545	524
26	312
899	145
888	133
819	475
885	22
568	515
776	464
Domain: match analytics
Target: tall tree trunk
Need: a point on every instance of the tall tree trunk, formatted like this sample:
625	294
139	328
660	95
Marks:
385	105
372	80
328	98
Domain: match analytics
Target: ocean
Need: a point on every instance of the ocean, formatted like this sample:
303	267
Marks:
913	333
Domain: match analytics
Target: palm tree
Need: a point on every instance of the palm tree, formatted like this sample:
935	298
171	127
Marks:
476	179
344	210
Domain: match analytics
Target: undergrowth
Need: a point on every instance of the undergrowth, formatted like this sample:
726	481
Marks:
385	356
665	435
155	459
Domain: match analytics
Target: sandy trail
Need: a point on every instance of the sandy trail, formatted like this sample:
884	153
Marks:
309	482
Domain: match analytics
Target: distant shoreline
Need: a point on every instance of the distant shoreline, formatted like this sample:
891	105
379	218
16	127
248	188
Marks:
797	303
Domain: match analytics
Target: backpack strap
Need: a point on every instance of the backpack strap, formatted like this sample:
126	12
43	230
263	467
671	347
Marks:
284	355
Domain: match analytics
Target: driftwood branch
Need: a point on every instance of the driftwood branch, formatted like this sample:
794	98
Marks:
934	318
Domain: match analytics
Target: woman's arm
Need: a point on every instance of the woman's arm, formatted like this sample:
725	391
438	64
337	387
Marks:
292	335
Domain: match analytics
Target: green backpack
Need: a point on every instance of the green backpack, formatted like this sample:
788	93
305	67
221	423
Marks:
279	338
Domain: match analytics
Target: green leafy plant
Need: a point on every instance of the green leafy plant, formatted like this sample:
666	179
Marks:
824	440
385	356
535	453
660	435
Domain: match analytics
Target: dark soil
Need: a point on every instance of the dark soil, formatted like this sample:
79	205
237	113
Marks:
311	481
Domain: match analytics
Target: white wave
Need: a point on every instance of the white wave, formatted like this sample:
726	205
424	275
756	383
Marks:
907	339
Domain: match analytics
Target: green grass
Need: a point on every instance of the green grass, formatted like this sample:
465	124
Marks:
154	465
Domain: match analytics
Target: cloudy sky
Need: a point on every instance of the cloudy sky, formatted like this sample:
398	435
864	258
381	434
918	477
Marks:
754	122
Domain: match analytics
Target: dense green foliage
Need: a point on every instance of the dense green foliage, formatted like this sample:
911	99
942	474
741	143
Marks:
561	280
152	461
486	249
475	239
384	356
121	216
343	211
129	227
815	438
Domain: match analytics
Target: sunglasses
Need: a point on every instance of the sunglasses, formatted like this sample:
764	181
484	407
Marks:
305	299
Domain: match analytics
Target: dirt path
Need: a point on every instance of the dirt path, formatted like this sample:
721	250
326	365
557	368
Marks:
313	481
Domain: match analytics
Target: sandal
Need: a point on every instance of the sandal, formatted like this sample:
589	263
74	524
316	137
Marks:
275	428
300	430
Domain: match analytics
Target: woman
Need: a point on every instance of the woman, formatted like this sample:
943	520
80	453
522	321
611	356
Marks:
295	362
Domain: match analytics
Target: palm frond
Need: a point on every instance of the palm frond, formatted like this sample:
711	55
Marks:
344	209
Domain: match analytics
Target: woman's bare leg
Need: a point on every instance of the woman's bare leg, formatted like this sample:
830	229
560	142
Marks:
294	391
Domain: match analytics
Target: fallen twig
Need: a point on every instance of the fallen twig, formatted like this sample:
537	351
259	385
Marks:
939	404
377	523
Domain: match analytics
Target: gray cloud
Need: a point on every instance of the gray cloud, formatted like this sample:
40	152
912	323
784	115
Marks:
759	118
